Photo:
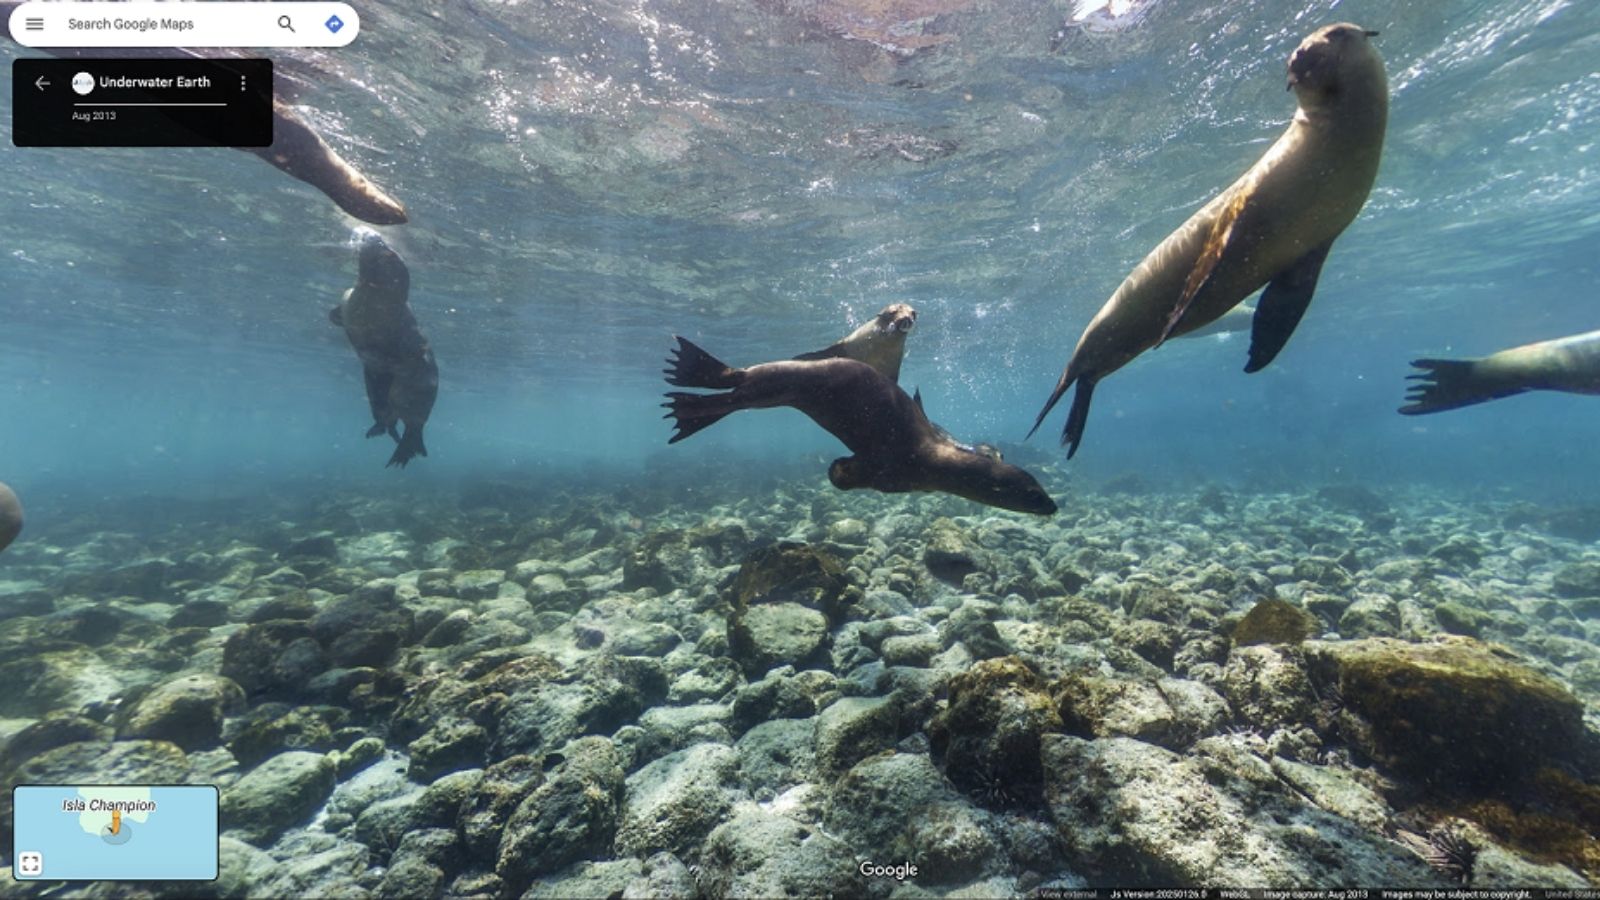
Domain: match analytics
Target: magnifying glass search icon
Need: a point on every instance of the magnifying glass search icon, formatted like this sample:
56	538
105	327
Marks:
283	22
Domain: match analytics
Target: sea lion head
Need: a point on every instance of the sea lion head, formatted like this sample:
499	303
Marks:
896	318
1329	59
975	476
986	479
10	516
381	267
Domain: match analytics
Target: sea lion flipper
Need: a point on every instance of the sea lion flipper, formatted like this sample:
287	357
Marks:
410	446
1451	384
691	412
1281	306
917	396
1211	253
1079	416
831	351
378	385
336	316
693	367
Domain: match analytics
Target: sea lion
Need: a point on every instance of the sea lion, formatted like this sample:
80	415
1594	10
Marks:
1570	364
10	515
880	343
402	378
300	152
1273	226
895	447
296	148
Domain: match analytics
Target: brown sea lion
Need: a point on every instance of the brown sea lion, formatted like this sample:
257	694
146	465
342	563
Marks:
296	149
10	515
880	343
299	151
1570	364
402	378
895	447
1273	226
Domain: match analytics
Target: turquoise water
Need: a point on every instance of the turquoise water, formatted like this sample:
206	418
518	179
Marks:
585	182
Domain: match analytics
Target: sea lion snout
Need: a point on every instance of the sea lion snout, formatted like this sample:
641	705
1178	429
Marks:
897	318
380	265
1316	63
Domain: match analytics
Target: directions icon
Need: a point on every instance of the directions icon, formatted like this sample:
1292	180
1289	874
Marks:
334	23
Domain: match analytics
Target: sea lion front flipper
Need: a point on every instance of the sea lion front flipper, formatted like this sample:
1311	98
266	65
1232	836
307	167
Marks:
1451	384
302	153
378	384
1211	253
917	396
336	316
829	352
1281	306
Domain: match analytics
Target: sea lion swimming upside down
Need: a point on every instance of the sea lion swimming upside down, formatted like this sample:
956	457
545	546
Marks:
1273	227
895	447
402	378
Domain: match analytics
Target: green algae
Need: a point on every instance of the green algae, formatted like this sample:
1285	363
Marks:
1273	622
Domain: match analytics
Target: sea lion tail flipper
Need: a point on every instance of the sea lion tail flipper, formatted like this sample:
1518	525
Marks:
692	412
1206	262
1078	416
1061	388
410	446
1450	384
693	367
1281	306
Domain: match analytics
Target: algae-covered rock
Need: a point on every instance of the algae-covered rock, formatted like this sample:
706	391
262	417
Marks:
1148	816
1268	687
571	816
674	802
452	744
852	728
1464	620
283	791
790	572
875	801
757	853
1579	579
187	711
1170	712
988	737
1454	712
949	554
274	657
775	634
1273	621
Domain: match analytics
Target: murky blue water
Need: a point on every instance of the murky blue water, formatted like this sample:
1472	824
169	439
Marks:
585	180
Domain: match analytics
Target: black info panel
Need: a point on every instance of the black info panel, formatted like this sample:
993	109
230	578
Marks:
141	102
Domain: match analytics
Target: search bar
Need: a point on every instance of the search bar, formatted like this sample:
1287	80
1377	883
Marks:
214	23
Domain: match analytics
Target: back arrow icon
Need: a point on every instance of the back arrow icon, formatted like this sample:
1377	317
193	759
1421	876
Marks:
41	83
